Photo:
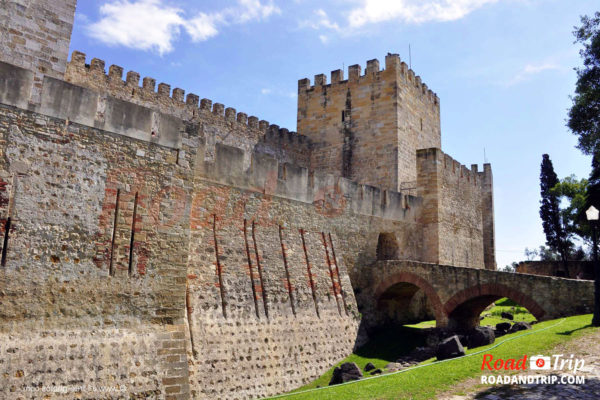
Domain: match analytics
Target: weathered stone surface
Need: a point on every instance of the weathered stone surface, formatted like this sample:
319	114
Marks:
449	348
519	326
480	336
369	367
393	366
345	373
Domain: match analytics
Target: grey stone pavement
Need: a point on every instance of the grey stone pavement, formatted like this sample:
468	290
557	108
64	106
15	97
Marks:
586	347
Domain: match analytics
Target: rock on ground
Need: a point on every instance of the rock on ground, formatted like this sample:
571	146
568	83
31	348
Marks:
507	315
480	336
519	326
345	373
450	348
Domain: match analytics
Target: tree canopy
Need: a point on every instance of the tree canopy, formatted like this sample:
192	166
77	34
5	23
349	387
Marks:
584	115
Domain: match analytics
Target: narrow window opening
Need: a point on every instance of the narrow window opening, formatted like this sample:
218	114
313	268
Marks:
343	115
421	123
132	239
5	243
387	247
111	268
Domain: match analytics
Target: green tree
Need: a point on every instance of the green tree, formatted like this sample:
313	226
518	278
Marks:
573	193
557	238
584	115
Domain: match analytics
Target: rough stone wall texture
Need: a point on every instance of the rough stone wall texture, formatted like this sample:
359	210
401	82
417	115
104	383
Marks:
35	34
575	269
259	303
145	362
452	216
262	296
367	128
487	211
64	237
111	238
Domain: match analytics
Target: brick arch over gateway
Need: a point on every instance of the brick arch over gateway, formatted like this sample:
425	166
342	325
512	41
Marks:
421	283
493	290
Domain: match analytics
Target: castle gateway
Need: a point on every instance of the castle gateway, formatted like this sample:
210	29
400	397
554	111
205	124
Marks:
174	248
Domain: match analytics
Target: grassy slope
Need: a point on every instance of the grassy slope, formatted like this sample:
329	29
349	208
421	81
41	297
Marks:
424	383
386	348
381	350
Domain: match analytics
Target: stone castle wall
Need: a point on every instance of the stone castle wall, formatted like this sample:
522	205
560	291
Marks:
85	301
35	34
367	128
453	210
217	123
112	264
170	247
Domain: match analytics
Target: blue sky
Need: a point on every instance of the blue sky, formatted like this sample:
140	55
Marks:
503	70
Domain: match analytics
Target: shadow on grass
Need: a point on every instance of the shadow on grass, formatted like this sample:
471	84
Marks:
392	343
569	333
589	390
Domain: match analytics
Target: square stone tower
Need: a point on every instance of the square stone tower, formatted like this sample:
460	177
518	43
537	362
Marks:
368	128
35	34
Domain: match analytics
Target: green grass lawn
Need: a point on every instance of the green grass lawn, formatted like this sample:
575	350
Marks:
425	383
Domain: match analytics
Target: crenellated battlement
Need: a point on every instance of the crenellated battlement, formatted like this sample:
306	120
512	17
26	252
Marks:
451	167
372	73
162	98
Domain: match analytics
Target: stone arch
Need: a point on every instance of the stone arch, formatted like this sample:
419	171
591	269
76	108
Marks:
401	281
387	246
463	309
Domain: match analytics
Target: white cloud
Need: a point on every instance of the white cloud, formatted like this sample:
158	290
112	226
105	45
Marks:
412	11
278	92
323	38
530	70
319	21
154	25
202	27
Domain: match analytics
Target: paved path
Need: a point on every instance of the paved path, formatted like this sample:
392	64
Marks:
586	347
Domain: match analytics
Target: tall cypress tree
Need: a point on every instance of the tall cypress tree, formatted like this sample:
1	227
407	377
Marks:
556	236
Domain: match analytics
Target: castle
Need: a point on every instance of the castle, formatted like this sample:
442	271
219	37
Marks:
168	247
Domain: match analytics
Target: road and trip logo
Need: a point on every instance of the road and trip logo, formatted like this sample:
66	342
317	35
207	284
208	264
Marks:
560	369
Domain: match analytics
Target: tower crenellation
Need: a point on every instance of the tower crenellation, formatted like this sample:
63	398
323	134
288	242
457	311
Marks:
371	73
356	122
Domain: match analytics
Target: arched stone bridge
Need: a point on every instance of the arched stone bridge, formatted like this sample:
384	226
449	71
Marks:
456	296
